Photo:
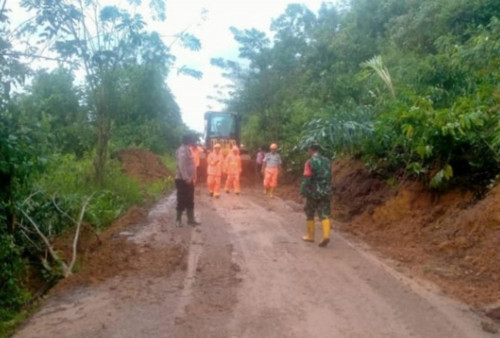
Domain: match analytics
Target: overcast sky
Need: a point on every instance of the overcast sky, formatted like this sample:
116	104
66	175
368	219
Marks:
216	40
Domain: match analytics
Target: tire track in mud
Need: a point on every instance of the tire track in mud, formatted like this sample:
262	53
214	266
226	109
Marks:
195	250
209	292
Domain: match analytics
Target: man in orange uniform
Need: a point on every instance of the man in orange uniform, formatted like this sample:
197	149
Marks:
214	171
196	151
271	167
233	170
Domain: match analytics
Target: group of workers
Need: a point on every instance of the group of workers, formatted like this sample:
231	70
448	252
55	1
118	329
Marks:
315	186
230	166
269	166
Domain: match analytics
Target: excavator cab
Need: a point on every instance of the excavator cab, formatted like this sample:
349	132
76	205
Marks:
222	128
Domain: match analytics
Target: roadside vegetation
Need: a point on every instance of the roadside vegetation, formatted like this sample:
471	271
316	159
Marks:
58	135
411	87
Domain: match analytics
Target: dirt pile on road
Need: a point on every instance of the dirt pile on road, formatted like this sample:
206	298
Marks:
449	238
142	164
110	254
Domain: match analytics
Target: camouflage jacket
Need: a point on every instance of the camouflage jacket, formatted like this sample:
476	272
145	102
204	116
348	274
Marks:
317	179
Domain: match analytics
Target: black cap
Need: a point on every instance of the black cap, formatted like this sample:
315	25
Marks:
315	146
188	138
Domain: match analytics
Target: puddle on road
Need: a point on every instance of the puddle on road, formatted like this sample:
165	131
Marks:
162	207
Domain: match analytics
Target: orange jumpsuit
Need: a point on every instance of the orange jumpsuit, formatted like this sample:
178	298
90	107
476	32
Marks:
271	177
196	151
232	168
214	172
272	163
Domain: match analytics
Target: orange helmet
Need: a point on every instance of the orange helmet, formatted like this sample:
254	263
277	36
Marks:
273	146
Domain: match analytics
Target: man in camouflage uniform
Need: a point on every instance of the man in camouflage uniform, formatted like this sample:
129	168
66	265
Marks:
316	187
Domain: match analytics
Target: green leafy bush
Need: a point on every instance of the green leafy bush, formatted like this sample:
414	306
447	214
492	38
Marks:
12	266
343	131
71	181
20	159
159	188
436	144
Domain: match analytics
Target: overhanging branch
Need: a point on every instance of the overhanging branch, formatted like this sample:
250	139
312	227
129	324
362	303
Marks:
36	56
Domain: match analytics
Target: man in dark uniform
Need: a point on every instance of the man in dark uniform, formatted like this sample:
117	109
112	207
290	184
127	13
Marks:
184	180
316	187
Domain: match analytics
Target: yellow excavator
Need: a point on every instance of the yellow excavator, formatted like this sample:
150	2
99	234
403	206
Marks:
224	128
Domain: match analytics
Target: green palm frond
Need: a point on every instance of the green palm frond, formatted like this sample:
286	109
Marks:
376	64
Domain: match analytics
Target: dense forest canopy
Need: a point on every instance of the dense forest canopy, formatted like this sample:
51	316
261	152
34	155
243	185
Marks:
411	86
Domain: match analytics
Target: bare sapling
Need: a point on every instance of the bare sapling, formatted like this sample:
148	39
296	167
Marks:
65	266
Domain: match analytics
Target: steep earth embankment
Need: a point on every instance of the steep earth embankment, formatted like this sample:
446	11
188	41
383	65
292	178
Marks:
451	238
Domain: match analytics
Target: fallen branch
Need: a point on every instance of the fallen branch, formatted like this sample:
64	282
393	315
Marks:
66	268
49	247
24	232
77	232
64	213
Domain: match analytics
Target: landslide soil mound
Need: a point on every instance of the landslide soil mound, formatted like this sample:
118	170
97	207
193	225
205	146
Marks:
451	238
109	254
142	164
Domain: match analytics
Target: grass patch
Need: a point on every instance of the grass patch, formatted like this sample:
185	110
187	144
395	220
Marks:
170	162
159	188
10	326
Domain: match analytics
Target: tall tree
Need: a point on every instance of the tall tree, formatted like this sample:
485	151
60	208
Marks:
103	41
53	101
148	114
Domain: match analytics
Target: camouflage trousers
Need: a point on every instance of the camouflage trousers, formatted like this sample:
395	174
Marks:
317	205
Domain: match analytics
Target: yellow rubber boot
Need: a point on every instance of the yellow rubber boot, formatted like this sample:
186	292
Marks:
310	232
326	232
271	192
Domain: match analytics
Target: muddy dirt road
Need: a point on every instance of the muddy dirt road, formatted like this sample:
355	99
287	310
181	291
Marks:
248	274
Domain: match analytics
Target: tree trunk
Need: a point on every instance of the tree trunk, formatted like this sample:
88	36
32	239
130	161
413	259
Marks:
103	132
101	151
